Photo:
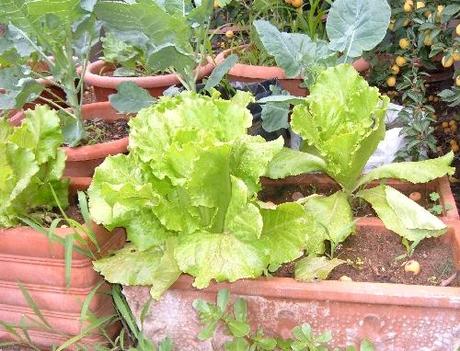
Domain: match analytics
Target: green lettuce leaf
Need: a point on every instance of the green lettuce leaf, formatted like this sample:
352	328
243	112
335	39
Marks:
220	256
414	172
183	126
311	268
286	231
289	162
342	120
155	266
333	214
402	215
31	165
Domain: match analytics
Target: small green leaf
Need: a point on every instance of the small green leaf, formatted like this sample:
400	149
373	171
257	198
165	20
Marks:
238	344
275	116
238	329
223	297
366	345
240	309
313	268
208	331
130	98
220	71
434	197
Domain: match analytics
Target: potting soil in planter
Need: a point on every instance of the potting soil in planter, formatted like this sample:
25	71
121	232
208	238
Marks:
100	131
380	257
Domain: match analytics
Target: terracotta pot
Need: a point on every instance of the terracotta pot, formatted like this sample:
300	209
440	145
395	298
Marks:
28	257
82	160
394	316
63	327
104	85
252	73
323	183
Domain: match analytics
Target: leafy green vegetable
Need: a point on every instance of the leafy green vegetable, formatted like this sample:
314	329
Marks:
352	27
342	120
357	26
63	30
31	165
147	37
342	123
402	215
130	98
334	215
414	172
313	268
193	175
220	71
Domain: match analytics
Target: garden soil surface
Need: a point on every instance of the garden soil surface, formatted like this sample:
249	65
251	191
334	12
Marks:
380	257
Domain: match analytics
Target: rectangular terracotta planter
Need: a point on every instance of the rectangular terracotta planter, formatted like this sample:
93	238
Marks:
67	325
323	183
394	316
30	258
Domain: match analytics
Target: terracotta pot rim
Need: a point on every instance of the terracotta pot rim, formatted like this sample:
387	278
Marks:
334	290
77	263
89	152
94	79
270	72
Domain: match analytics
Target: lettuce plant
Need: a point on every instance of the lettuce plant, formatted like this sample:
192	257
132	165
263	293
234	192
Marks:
342	122
187	196
31	166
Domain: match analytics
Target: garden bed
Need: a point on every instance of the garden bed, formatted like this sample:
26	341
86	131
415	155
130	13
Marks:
391	315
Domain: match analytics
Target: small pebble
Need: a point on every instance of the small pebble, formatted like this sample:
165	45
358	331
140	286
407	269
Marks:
297	196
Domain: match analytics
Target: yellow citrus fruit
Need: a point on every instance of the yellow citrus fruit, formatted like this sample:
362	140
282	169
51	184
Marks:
297	3
456	56
404	43
420	4
395	69
229	34
410	2
407	7
447	61
439	9
391	81
457	29
406	22
428	41
457	81
400	61
391	26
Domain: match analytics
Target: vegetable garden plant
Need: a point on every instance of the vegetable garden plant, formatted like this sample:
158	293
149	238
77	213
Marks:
187	191
58	33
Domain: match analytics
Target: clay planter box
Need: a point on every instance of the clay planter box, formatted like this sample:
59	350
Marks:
251	73
394	316
82	160
30	258
323	184
105	85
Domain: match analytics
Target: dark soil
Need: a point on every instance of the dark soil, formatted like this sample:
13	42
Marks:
292	192
101	131
46	217
380	257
